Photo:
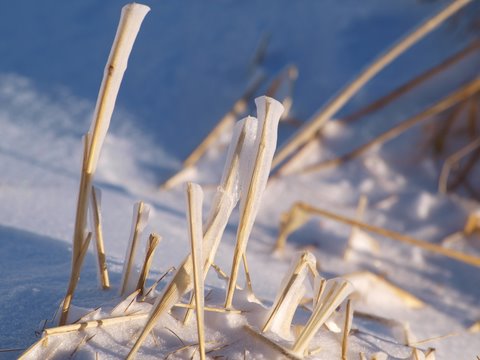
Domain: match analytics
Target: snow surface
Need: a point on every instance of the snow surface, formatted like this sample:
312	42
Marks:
190	63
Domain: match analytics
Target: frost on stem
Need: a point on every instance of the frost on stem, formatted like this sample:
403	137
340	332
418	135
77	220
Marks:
254	170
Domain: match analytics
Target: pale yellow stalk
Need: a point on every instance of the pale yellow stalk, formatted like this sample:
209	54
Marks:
308	131
130	21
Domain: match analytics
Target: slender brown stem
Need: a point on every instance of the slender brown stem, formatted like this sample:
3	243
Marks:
153	242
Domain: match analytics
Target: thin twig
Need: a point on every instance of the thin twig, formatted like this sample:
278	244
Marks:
98	234
140	216
225	123
444	104
307	132
459	256
153	242
411	84
346	329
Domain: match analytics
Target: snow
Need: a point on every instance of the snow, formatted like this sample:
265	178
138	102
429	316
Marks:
188	66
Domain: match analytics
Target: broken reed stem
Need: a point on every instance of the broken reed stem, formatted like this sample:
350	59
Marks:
295	276
75	276
130	258
444	104
181	282
286	167
346	329
79	230
256	185
153	242
98	233
320	314
229	183
459	256
289	76
452	160
226	122
129	25
194	201
308	131
362	205
410	85
81	326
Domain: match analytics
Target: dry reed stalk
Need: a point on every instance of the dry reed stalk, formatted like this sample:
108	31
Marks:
225	123
256	176
224	202
430	354
248	279
346	328
409	299
288	298
319	288
379	356
194	202
226	197
79	231
475	327
435	338
74	277
410	85
115	320
290	166
452	160
308	131
286	167
155	284
336	290
210	309
140	216
180	284
152	244
284	82
98	234
290	221
94	323
82	342
362	356
444	104
361	207
459	256
128	27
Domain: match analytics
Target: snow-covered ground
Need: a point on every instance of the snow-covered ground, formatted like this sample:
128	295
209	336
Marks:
190	63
